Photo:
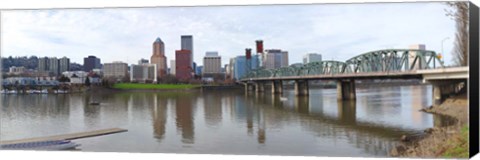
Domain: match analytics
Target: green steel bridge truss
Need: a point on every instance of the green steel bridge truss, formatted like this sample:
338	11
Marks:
388	60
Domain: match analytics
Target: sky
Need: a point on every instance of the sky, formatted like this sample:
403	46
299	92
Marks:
337	31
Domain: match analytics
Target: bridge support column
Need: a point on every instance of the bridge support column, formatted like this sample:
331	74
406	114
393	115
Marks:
443	89
249	87
346	90
277	87
259	87
301	87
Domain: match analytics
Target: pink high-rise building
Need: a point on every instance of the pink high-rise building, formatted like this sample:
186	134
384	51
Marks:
183	67
158	58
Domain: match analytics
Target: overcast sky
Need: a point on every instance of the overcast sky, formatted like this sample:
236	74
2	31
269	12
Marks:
337	31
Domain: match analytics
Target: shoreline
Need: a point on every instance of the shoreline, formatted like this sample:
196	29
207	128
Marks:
437	142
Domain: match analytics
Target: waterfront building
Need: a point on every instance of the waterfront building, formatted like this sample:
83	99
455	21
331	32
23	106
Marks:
411	55
312	57
64	64
144	73
275	58
158	57
117	70
187	44
16	70
240	67
90	63
183	68
172	67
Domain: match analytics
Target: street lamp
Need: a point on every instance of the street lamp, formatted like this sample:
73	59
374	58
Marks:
444	39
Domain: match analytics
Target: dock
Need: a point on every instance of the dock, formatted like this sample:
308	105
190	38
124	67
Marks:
70	136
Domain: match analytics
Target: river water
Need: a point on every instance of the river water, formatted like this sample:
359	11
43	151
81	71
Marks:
227	122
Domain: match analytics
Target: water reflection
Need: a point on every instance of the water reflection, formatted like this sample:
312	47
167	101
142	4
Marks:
159	116
257	123
184	118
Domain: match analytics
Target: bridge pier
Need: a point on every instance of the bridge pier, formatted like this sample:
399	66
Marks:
277	87
301	87
443	89
346	90
259	87
249	87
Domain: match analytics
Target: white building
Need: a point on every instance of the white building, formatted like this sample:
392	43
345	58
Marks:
312	57
212	63
16	70
172	67
116	69
275	58
412	55
143	73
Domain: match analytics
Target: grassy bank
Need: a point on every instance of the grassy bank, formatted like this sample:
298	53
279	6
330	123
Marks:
457	146
153	86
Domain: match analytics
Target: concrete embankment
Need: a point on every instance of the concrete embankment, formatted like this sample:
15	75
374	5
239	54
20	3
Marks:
449	141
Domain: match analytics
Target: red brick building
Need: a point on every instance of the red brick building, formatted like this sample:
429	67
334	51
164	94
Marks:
183	69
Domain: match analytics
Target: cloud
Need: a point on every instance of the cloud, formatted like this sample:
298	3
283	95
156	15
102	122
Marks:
338	31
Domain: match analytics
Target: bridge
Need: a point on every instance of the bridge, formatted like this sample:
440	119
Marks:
380	64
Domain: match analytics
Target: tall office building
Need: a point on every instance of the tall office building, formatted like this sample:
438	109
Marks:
117	70
187	44
275	58
53	66
172	67
412	55
142	61
183	70
158	58
239	64
90	63
64	64
312	57
212	63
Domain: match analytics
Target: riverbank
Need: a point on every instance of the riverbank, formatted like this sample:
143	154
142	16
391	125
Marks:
449	141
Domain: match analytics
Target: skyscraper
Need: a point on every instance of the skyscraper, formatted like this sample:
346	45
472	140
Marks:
183	70
276	58
142	61
90	63
312	57
187	44
64	63
158	58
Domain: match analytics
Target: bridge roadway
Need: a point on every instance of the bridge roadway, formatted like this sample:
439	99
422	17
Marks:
445	81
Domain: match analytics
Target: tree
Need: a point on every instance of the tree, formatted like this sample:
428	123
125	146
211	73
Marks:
87	81
459	13
64	79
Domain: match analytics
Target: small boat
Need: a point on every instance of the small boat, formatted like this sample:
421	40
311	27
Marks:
41	145
283	98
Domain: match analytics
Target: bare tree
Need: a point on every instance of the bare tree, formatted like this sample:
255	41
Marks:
459	12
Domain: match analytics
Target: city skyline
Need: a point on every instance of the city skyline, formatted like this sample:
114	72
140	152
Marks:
337	32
